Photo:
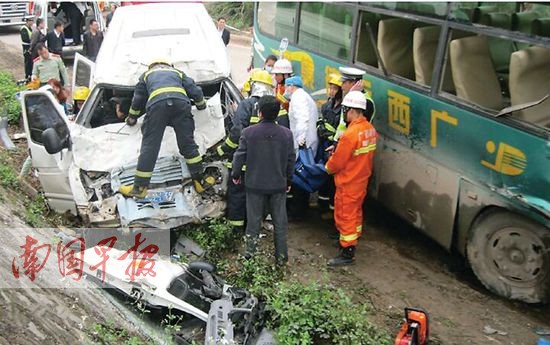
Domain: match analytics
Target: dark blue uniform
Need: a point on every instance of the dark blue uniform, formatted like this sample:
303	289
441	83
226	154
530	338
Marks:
164	93
246	115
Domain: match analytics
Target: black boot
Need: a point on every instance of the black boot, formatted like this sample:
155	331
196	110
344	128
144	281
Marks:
344	258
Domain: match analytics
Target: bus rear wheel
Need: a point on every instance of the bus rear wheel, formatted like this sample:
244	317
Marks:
510	255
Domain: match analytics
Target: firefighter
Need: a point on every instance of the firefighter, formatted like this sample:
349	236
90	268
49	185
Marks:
26	33
80	94
245	115
282	69
351	165
326	129
165	93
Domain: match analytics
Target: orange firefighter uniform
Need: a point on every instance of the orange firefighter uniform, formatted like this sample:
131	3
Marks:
351	164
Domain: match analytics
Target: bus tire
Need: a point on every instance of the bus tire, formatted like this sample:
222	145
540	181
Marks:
510	255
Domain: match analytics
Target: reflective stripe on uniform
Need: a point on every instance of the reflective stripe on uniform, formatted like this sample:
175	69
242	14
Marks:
364	150
349	238
144	173
282	112
281	98
220	150
236	222
166	90
193	160
161	69
329	127
254	119
231	143
229	165
134	112
359	228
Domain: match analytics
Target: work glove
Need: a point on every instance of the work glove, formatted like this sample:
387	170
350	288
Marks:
201	105
131	120
202	183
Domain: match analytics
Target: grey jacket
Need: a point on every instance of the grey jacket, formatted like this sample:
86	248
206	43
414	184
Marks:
267	150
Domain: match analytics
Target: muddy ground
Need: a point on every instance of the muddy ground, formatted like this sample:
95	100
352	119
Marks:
396	267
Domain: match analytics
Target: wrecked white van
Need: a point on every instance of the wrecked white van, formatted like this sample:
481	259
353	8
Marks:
81	164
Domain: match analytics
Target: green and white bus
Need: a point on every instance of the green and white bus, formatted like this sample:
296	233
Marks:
462	115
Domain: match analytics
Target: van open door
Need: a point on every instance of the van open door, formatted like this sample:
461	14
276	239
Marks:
83	71
42	113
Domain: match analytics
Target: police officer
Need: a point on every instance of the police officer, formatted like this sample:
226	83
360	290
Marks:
48	66
352	80
26	33
246	115
165	93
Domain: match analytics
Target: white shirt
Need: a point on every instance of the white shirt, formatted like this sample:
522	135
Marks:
303	115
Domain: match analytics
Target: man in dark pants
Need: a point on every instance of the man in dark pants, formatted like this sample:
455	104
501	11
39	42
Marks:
93	38
38	36
267	149
165	93
245	115
26	33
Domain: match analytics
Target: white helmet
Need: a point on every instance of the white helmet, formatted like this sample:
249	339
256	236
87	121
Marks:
355	99
282	66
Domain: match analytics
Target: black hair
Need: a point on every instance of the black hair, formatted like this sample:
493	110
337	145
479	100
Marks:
339	95
40	46
269	106
220	18
271	57
369	112
57	24
39	21
92	21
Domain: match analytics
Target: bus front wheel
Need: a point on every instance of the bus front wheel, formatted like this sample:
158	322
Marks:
510	255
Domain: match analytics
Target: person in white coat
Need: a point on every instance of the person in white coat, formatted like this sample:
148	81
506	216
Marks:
302	115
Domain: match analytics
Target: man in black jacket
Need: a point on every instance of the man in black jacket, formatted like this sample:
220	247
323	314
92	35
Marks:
93	38
56	39
267	149
224	33
38	36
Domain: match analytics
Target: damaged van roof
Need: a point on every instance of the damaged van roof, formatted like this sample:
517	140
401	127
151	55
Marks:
182	33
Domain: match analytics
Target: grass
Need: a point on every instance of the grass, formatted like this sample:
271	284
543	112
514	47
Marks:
109	334
9	105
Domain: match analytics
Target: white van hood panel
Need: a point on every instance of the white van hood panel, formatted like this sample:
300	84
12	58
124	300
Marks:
103	149
183	34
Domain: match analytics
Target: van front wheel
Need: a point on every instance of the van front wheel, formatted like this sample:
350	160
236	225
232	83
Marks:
510	255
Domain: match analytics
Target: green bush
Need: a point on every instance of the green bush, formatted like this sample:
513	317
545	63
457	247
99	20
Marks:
237	14
216	237
8	176
9	105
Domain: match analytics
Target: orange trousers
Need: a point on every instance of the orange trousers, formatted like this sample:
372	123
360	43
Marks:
348	214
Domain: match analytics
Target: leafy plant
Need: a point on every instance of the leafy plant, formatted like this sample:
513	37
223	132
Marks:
108	334
216	237
8	177
35	210
237	14
9	105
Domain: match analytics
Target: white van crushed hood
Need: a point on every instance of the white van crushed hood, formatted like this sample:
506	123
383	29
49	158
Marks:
184	34
109	147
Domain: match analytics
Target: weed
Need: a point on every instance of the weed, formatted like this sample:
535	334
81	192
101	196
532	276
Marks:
35	210
108	334
9	105
216	237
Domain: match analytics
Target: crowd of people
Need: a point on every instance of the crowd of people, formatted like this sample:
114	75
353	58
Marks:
272	130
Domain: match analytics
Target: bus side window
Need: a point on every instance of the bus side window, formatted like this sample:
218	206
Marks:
395	38
365	49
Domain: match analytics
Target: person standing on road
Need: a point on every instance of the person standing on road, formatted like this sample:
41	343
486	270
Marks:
245	115
326	129
351	165
267	150
92	40
49	66
38	36
165	93
74	14
224	33
111	14
56	39
352	80
26	33
302	115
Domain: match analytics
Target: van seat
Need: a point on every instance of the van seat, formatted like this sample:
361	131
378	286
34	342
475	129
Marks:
395	46
425	41
473	72
529	81
541	27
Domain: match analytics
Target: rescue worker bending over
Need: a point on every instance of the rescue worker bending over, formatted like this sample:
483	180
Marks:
351	165
246	115
165	93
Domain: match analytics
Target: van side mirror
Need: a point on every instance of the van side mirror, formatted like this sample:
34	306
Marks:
52	142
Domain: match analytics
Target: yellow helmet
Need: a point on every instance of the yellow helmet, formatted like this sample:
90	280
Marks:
261	76
81	93
335	79
33	84
159	61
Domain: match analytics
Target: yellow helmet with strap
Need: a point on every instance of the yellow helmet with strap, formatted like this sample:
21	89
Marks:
335	79
81	93
261	76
